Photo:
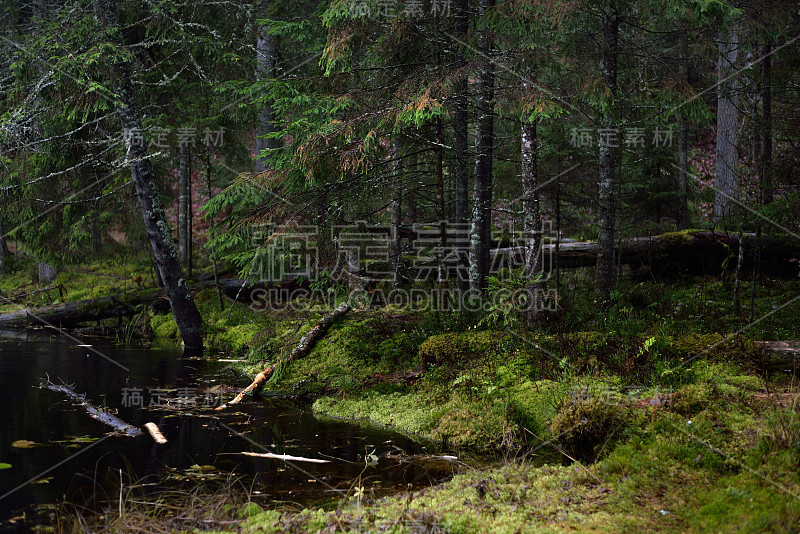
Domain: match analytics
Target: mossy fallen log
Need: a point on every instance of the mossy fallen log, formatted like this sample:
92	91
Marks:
698	252
94	412
72	314
304	347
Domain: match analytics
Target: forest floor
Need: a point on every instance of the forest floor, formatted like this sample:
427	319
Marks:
660	414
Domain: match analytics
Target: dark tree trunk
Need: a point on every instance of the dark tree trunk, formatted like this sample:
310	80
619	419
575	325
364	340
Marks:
3	248
727	188
267	52
165	255
767	193
166	258
532	222
606	216
682	219
184	208
396	209
460	122
412	191
440	201
484	148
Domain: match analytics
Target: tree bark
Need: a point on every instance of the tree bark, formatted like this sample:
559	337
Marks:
727	188
3	248
531	217
184	208
440	200
166	259
184	309
682	219
267	56
460	121
396	210
484	148
606	216
767	193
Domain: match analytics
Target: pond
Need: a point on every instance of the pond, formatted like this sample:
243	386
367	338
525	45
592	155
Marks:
57	452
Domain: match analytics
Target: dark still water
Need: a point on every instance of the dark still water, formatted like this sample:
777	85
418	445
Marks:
76	460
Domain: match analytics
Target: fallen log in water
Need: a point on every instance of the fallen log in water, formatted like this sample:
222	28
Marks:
304	347
96	413
286	457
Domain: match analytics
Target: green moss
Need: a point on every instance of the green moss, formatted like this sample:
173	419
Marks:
533	405
164	327
405	412
239	338
587	427
692	398
459	349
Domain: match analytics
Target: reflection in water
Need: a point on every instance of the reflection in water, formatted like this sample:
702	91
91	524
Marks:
197	437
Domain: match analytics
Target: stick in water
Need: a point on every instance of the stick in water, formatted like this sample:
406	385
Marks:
285	457
96	413
158	437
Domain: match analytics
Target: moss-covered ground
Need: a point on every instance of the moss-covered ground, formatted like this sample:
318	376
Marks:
657	413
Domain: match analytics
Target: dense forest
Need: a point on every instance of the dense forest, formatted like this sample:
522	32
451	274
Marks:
399	266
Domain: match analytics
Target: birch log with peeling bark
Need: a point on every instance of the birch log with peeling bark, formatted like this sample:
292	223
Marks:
96	413
304	347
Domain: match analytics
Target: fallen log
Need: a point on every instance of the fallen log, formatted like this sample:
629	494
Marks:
780	356
71	314
688	252
96	413
304	347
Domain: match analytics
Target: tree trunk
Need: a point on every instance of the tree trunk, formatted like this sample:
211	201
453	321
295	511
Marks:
460	121
440	201
412	191
484	148
267	55
184	206
727	188
183	306
739	261
396	209
184	309
532	222
3	248
606	216
767	193
682	219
